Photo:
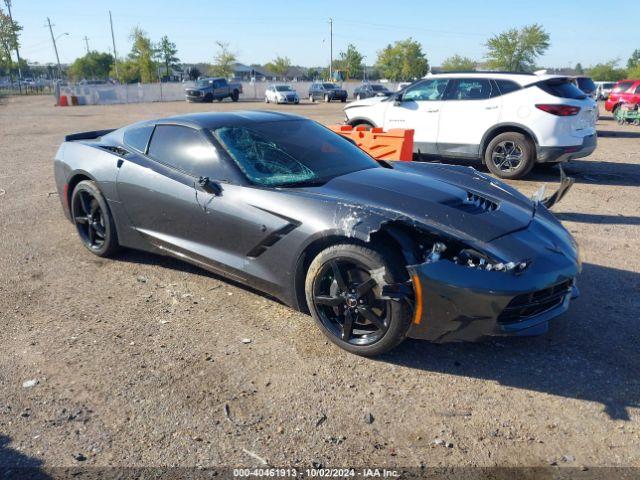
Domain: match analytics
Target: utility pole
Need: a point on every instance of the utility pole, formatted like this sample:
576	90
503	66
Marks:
115	54
55	48
8	3
330	49
86	42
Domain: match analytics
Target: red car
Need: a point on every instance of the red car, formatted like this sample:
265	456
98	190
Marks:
625	91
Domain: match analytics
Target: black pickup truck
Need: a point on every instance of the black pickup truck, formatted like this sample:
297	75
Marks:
210	89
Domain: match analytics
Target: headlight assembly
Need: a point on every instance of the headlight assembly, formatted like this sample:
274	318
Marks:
471	258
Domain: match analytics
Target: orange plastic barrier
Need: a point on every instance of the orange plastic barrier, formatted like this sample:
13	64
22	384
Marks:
396	144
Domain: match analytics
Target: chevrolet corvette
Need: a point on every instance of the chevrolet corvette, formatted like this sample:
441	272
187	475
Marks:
376	251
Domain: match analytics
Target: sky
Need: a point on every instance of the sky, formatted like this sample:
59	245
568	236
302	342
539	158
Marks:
258	31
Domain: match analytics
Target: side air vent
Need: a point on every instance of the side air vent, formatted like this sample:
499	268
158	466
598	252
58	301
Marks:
117	150
474	203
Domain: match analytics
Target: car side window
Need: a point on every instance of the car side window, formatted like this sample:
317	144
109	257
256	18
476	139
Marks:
469	89
138	137
507	86
427	90
638	89
183	148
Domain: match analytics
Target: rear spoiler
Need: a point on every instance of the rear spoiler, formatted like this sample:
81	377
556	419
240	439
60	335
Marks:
92	135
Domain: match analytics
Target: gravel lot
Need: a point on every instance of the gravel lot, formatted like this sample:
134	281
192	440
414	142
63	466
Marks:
140	360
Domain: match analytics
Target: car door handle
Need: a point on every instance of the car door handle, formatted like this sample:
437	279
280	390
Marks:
435	110
493	107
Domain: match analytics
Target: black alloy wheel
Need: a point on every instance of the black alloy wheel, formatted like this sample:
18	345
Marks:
343	290
347	304
93	221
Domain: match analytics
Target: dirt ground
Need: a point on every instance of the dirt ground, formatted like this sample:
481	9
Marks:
140	360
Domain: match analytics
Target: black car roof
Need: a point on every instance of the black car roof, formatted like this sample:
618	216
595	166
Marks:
212	120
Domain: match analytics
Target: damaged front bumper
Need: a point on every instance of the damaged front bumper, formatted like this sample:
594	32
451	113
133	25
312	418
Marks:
456	303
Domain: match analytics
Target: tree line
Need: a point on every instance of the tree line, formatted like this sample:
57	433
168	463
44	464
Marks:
514	50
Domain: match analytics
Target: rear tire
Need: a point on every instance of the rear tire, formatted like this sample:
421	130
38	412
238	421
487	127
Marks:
347	305
92	218
510	155
235	96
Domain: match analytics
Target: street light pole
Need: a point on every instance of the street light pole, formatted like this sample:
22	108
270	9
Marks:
330	49
8	3
55	48
115	54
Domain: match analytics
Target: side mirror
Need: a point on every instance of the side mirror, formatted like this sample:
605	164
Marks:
398	100
210	186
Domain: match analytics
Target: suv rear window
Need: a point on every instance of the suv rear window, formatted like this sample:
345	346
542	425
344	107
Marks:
586	84
507	86
561	87
622	87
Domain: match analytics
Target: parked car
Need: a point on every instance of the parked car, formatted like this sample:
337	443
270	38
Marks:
281	94
625	91
376	252
587	85
603	89
326	91
367	90
210	89
511	121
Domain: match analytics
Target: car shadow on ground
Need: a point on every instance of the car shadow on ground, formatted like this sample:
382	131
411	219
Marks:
619	133
596	218
590	353
583	171
147	258
17	465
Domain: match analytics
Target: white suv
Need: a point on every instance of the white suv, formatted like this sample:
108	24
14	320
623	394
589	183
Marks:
511	121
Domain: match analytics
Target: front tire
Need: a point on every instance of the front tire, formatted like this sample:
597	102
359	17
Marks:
235	96
343	295
92	218
510	155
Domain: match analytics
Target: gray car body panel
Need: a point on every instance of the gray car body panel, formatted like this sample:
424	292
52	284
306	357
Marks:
259	236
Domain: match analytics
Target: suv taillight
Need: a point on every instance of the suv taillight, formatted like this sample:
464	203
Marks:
559	110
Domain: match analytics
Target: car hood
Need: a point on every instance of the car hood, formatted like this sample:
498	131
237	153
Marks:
456	201
366	101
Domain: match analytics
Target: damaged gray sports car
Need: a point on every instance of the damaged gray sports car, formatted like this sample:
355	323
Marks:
376	251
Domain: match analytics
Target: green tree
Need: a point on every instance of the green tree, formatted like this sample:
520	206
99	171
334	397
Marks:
458	63
516	50
578	69
350	62
279	65
403	60
607	72
9	34
224	61
634	59
634	72
142	55
166	53
94	65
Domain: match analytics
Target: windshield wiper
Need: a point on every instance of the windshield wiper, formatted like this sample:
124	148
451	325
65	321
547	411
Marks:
302	183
